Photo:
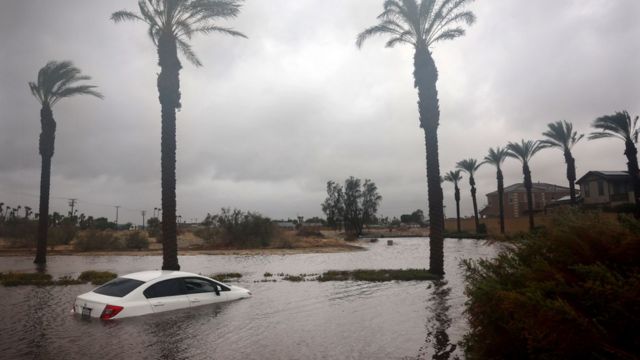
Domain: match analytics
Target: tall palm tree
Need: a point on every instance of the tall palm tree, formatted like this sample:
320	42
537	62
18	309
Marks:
57	80
171	24
454	177
524	151
621	126
470	166
496	157
421	25
560	134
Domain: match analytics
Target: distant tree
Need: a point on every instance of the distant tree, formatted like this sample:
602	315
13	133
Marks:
333	205
470	166
357	202
154	227
102	223
421	25
455	177
172	23
56	81
496	157
560	135
315	220
524	151
621	126
416	217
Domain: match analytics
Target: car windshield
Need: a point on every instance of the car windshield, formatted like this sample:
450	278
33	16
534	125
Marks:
118	287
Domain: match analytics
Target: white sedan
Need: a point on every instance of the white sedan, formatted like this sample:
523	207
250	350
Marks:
149	292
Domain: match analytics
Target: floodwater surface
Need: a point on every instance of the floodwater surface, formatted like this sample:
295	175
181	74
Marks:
283	320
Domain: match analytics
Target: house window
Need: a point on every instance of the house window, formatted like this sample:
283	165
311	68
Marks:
600	188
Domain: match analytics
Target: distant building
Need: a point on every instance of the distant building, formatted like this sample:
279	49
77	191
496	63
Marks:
515	199
606	188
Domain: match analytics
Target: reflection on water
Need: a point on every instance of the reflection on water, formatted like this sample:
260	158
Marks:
283	320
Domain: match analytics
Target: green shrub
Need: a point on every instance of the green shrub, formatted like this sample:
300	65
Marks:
96	277
571	291
137	240
15	279
378	275
98	240
237	229
226	276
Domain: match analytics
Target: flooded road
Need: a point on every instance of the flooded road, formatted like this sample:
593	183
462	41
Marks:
283	320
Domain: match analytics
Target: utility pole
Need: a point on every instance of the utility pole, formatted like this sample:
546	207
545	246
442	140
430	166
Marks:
143	214
72	204
117	208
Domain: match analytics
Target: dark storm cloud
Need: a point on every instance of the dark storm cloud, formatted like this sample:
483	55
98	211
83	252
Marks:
268	120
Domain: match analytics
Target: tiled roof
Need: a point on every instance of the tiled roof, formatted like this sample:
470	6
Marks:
607	175
537	187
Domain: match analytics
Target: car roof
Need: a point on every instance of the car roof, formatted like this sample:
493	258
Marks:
157	274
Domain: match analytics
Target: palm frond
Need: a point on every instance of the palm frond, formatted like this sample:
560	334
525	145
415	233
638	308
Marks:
560	134
55	80
619	125
453	176
524	150
470	166
188	52
496	156
124	15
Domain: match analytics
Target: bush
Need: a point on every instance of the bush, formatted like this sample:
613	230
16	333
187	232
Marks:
569	291
96	277
15	279
237	229
137	240
97	240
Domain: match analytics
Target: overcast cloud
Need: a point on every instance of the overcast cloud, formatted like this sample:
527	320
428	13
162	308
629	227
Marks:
269	120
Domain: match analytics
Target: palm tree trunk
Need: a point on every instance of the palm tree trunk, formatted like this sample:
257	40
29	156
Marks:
632	166
46	148
500	179
472	182
426	75
169	96
457	197
571	175
528	185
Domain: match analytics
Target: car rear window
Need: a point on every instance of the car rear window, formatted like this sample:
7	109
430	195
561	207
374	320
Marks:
118	287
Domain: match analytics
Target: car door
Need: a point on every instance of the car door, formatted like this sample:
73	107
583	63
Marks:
202	291
167	295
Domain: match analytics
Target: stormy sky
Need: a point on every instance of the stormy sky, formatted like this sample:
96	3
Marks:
268	120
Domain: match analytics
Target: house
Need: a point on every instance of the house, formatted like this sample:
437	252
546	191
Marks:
515	199
606	188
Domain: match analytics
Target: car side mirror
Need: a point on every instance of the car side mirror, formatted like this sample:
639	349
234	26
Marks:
217	290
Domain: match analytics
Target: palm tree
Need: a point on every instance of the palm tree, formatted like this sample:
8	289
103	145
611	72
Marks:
496	157
455	177
56	81
621	126
562	136
470	166
171	24
524	151
421	25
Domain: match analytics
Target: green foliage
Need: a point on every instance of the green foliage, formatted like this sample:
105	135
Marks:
416	217
97	277
293	278
226	276
351	206
15	279
378	275
237	229
154	228
95	240
137	240
571	291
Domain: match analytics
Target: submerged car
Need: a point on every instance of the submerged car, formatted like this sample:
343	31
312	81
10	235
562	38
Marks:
149	292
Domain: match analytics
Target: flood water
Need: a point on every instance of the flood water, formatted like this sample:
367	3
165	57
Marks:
283	320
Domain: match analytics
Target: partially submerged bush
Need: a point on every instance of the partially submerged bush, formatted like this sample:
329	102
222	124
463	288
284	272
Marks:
98	240
570	291
226	276
15	279
97	277
378	275
137	240
235	228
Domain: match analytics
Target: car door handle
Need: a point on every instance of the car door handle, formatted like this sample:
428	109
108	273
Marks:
195	300
158	304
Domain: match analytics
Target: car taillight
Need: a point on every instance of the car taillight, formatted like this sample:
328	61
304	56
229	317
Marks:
110	311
